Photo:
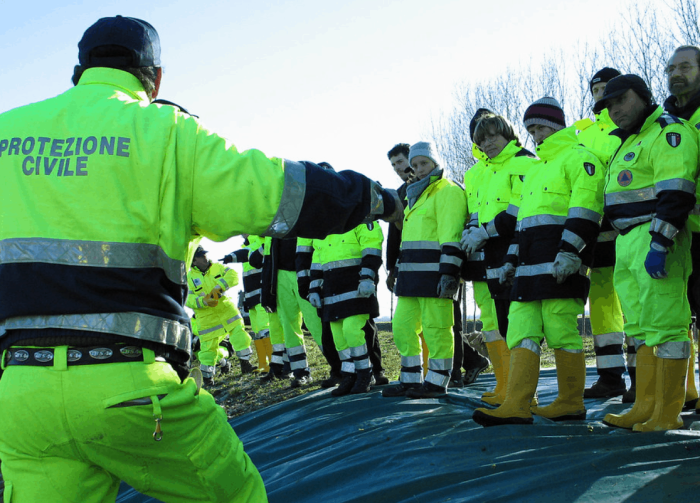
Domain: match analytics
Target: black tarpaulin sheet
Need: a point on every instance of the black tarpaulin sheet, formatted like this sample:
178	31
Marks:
366	448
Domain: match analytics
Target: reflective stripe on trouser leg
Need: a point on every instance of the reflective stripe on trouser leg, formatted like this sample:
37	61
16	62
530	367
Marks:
411	369
238	336
210	352
277	354
439	371
656	311
606	324
288	308
347	363
207	370
360	357
244	354
554	319
297	357
482	297
632	345
191	422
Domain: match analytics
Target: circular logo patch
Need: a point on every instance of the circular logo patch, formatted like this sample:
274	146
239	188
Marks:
21	355
625	177
131	351
43	356
74	355
629	156
101	353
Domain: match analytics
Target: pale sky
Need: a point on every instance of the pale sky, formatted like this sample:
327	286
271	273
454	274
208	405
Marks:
334	81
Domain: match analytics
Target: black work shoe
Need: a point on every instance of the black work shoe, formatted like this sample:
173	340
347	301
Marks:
298	382
399	390
346	385
471	374
380	379
426	390
208	381
630	395
332	381
456	382
246	367
269	377
602	389
363	383
225	367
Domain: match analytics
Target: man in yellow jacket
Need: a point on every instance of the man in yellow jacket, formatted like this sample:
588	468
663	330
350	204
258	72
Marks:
114	193
217	316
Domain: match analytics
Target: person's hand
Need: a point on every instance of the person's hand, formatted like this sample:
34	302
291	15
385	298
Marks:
448	286
209	300
396	217
476	341
391	280
228	258
366	288
655	263
565	264
474	240
505	273
315	300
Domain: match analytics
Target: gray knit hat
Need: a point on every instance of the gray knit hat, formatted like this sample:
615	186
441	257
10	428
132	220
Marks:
546	111
425	149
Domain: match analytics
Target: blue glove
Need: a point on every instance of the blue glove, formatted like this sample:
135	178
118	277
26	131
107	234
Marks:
655	263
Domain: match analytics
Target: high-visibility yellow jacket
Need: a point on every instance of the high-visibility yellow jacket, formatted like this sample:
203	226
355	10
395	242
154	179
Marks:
252	275
652	178
104	196
343	261
212	320
561	209
432	229
474	268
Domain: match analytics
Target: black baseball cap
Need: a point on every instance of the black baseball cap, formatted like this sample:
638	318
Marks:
136	35
604	75
620	85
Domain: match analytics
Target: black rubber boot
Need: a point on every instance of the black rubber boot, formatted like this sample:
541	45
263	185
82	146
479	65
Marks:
345	385
399	390
364	382
332	381
426	390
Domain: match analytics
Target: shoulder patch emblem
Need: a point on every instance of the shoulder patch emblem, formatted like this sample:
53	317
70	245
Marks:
629	156
197	282
697	126
589	167
370	226
673	139
624	178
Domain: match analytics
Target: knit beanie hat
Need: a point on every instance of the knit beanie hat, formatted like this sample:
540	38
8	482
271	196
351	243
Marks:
475	119
425	149
547	112
604	75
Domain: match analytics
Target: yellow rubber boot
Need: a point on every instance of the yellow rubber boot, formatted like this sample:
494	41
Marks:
426	354
499	354
645	396
268	349
261	351
691	390
571	380
522	383
670	396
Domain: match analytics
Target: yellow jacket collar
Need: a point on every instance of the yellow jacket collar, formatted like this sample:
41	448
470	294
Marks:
122	80
504	155
559	141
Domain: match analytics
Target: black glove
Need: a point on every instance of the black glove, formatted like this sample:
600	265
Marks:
227	259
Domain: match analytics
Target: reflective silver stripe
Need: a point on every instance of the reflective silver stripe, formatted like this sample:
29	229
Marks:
334	299
585	214
491	336
572	351
492	274
211	329
451	259
136	325
491	229
476	257
376	201
573	239
675	184
290	203
674	350
92	254
207	370
609	361
251	272
636	343
513	250
607	236
299	364
285	356
367	272
419	267
305	249
253	293
411	361
609	339
437	379
453	245
348	366
277	359
631	360
440	364
371	251
411	377
237	317
224	283
316	267
513	210
474	219
345	354
664	228
244	352
541	269
297	350
420	245
341	263
623	223
530	345
538	220
199	301
317	283
630	196
358	351
278	348
304	273
362	363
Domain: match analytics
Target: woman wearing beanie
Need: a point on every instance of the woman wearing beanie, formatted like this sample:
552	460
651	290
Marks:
504	167
428	277
549	258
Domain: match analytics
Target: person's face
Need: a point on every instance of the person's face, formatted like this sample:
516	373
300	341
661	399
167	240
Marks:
598	90
540	132
422	166
200	262
493	143
626	110
401	167
683	74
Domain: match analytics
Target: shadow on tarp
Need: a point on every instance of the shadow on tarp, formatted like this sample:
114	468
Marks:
365	448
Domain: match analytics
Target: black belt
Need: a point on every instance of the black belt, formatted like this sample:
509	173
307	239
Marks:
44	357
